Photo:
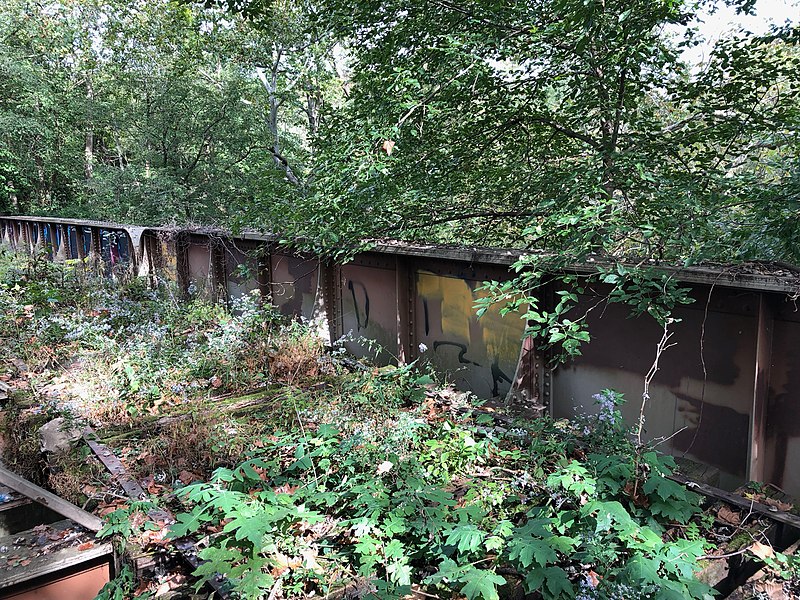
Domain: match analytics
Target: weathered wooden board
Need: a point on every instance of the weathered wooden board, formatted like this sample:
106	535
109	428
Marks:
735	499
42	496
40	562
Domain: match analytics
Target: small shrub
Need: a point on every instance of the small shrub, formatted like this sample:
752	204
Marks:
296	356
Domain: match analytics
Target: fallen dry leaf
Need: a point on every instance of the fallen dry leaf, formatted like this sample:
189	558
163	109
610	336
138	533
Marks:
57	535
773	590
105	508
187	477
285	489
783	506
731	517
163	589
284	564
762	551
593	579
86	546
310	561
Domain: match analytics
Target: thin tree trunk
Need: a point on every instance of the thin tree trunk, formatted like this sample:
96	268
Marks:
88	148
270	83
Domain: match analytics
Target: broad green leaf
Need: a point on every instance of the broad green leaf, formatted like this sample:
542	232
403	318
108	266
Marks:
551	582
482	584
467	538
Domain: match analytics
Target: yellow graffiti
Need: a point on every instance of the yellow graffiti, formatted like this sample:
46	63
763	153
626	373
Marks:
500	335
456	310
169	259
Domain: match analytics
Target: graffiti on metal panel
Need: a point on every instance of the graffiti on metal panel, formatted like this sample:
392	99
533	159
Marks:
352	285
489	347
461	355
369	311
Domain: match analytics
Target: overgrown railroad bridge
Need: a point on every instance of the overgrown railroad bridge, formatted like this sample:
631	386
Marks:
727	396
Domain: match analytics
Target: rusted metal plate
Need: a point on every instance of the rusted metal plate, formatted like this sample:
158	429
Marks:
295	285
200	269
116	468
369	311
82	584
241	268
47	558
782	431
701	397
478	354
763	367
120	473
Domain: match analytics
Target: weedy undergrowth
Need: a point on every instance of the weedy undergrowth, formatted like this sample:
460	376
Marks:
132	346
370	483
456	506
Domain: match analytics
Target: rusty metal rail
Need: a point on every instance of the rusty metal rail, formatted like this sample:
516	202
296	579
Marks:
186	548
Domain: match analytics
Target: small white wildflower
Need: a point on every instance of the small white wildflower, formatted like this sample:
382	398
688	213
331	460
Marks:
422	348
384	467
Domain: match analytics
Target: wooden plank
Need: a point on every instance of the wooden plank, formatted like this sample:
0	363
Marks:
14	504
132	488
45	498
758	420
48	562
740	501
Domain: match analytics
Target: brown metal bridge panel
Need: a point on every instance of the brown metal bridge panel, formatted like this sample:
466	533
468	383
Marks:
369	308
704	413
82	583
241	268
783	404
200	268
477	354
57	561
295	285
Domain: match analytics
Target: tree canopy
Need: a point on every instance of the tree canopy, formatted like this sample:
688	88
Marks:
146	112
572	127
566	126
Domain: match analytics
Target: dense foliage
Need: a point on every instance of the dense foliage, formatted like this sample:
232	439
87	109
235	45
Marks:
134	347
337	477
571	127
568	126
150	112
449	504
370	478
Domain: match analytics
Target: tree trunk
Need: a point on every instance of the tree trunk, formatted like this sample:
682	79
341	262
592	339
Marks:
88	148
270	83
